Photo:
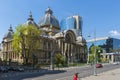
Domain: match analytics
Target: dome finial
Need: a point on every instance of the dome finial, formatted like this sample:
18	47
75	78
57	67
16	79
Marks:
10	29
49	11
30	16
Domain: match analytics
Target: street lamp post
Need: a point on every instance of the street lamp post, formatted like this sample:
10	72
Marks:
52	54
88	54
88	57
94	41
95	73
76	51
63	46
52	65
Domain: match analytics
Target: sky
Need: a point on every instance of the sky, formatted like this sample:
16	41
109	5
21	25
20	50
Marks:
100	18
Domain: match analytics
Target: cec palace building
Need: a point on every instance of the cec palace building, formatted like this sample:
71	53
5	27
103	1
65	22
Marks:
64	38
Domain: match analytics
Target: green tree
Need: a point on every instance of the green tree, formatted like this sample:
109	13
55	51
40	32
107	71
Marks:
94	53
26	40
58	59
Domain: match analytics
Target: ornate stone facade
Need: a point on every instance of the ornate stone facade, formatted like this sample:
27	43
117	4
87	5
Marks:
53	41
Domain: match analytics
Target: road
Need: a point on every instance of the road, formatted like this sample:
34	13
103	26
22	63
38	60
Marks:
83	71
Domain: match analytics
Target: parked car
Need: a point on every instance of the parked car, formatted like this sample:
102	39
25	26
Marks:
116	63
98	65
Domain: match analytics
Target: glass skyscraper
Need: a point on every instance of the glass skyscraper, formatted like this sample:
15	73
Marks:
74	23
106	43
68	23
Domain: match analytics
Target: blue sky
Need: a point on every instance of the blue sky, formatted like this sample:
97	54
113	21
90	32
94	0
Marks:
102	16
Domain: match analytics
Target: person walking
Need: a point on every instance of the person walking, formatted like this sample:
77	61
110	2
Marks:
75	77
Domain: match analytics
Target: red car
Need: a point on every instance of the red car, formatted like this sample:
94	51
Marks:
98	65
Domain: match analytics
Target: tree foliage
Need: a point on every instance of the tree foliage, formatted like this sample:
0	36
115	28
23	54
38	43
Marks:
59	59
94	53
26	40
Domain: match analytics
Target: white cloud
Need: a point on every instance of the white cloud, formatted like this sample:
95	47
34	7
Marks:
114	33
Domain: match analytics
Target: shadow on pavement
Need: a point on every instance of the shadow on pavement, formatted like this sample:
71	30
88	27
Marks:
31	74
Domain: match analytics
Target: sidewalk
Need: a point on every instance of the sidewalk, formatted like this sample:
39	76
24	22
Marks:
109	75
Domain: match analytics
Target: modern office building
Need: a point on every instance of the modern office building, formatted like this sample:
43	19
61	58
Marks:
106	43
110	47
53	40
74	23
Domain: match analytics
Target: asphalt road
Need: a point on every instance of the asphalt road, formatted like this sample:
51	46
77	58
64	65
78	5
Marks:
57	74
